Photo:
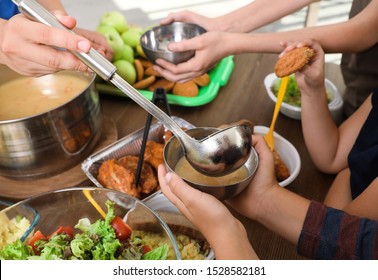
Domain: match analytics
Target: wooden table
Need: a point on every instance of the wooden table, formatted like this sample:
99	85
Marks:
244	97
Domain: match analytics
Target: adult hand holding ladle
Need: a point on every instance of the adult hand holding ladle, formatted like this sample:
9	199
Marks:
216	155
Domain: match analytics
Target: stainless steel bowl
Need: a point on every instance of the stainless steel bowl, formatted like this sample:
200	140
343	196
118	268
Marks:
51	142
173	152
154	42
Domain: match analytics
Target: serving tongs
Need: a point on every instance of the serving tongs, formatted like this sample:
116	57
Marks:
159	95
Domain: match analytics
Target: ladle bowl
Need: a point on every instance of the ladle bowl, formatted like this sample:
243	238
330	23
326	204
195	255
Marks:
221	187
221	152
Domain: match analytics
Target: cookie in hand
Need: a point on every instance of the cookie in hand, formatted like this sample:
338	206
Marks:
293	61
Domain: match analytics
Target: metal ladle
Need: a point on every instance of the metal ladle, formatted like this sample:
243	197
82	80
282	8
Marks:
218	154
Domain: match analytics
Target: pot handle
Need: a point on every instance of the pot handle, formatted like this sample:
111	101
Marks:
30	8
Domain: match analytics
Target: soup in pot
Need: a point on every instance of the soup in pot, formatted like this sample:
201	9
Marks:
28	96
187	172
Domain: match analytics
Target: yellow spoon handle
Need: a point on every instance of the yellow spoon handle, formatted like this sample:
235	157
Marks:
94	203
281	94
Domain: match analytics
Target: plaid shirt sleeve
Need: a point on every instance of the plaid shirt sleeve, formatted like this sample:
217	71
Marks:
329	233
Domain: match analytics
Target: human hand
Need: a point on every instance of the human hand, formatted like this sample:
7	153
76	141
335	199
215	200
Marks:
31	48
206	56
193	203
225	234
248	201
98	42
311	77
190	17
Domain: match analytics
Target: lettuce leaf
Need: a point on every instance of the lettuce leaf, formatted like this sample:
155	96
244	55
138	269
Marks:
159	253
16	251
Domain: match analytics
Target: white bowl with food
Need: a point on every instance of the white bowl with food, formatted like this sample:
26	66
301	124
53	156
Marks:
287	152
291	105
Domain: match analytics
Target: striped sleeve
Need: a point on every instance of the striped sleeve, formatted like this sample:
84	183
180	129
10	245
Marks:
329	233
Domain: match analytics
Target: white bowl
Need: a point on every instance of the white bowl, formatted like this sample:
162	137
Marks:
335	105
287	152
160	203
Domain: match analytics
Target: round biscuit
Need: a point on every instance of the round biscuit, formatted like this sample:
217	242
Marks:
293	61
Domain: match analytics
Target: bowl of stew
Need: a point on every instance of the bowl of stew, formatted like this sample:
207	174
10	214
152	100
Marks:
221	187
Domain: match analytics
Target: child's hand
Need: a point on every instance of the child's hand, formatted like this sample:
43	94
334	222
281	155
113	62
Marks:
248	201
193	203
225	234
311	77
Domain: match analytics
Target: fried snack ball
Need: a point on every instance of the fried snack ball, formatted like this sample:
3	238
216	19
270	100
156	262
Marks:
202	80
187	89
293	61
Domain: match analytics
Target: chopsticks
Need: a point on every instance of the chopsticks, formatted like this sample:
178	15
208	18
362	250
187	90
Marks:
159	95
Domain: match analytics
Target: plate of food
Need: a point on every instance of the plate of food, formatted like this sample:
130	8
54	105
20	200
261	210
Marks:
199	91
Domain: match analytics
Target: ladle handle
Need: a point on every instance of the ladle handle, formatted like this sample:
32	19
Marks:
152	109
104	68
33	10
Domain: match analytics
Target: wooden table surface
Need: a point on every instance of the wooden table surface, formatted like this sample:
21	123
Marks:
244	97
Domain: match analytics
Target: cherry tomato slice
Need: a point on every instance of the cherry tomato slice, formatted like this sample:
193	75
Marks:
146	249
38	235
122	230
66	229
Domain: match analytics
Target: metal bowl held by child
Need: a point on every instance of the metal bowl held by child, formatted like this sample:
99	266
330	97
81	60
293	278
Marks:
155	41
222	187
48	124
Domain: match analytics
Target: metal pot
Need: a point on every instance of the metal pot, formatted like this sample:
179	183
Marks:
50	142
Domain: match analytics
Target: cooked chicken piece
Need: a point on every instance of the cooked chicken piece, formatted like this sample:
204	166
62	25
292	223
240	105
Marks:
280	168
148	181
168	135
154	154
114	176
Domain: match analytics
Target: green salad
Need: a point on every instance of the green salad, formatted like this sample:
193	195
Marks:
292	95
105	239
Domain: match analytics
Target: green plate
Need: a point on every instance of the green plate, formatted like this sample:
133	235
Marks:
219	77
